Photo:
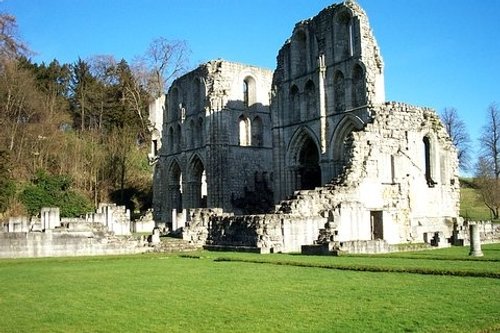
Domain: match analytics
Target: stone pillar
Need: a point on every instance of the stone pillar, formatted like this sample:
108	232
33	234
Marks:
174	219
475	241
50	218
322	103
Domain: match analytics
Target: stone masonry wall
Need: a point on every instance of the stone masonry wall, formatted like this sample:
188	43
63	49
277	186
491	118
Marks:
53	244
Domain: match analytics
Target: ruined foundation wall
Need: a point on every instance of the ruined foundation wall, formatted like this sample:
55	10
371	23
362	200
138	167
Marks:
269	233
53	244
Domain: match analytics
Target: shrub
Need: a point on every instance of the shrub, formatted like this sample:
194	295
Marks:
54	191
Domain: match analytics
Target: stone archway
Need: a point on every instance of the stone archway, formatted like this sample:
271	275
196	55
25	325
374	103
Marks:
175	187
341	142
303	158
197	184
309	170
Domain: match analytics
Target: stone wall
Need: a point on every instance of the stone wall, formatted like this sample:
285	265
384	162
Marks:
54	244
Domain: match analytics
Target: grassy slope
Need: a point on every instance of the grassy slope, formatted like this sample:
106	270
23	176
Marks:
168	293
471	204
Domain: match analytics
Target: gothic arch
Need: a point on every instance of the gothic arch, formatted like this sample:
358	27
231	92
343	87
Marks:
341	141
299	53
249	91
303	157
244	130
343	35
174	185
196	185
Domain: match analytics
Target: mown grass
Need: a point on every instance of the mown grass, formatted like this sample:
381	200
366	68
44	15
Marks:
151	293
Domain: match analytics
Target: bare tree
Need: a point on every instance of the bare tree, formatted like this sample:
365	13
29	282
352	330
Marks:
490	140
488	166
488	186
11	45
163	61
459	135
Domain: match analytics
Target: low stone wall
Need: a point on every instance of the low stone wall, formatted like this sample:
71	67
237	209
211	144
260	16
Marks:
54	244
269	233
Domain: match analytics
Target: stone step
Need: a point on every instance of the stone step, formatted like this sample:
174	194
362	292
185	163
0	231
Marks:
170	244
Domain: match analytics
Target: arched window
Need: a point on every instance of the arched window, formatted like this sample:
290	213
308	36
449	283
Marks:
358	86
299	55
339	92
294	103
257	132
245	93
310	94
249	91
244	129
343	36
175	187
429	162
196	184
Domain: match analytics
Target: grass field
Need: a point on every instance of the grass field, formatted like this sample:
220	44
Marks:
252	293
471	205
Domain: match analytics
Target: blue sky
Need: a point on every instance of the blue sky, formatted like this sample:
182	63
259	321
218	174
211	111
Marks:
437	53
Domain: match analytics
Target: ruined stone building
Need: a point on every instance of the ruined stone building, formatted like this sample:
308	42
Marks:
343	164
216	139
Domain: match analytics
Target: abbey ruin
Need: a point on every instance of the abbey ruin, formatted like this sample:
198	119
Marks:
308	155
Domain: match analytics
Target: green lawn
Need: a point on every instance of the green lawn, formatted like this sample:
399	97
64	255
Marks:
160	293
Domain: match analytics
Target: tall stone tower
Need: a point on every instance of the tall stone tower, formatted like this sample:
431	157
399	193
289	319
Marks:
328	75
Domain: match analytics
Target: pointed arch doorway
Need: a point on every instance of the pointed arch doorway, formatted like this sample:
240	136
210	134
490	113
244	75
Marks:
309	171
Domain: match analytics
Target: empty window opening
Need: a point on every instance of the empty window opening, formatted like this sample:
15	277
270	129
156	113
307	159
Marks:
377	224
249	91
244	129
428	161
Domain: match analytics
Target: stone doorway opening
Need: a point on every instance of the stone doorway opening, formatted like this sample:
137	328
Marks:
377	224
175	187
197	184
309	169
